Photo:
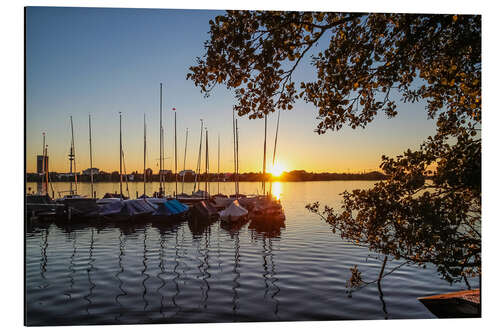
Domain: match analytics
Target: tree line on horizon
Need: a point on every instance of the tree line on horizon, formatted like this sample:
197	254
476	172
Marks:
294	175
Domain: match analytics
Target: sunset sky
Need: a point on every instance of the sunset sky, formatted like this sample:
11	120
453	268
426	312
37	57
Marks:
82	61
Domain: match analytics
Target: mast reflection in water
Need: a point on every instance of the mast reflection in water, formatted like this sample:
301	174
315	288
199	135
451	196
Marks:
196	272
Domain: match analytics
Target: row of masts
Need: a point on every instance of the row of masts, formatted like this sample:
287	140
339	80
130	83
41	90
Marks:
162	150
72	156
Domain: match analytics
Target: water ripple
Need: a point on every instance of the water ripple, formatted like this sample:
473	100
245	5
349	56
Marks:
180	272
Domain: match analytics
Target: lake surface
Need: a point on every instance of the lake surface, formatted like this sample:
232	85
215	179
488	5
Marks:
173	273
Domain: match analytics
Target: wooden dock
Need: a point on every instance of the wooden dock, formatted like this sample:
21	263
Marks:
459	304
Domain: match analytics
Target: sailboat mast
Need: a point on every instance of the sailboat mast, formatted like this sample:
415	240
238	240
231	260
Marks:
45	172
218	163
198	164
72	159
43	152
175	148
275	144
234	154
74	155
163	175
91	168
237	162
71	164
206	162
264	161
121	157
161	139
184	166
144	169
46	168
43	158
126	174
276	136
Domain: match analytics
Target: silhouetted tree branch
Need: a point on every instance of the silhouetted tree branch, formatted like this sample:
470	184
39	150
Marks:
428	210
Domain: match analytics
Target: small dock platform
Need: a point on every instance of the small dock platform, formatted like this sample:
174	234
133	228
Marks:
459	304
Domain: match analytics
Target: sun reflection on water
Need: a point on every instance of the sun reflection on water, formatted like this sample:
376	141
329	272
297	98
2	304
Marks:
277	189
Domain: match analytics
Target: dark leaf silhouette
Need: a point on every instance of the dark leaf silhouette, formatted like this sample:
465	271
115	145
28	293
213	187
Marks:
428	210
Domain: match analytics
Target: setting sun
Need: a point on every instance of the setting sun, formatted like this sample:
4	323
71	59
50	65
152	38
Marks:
277	170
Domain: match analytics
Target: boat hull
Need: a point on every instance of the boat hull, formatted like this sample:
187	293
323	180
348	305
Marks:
461	304
234	219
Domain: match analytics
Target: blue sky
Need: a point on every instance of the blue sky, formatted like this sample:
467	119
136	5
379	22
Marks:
82	61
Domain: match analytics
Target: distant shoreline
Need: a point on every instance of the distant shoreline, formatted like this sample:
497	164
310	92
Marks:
210	181
292	176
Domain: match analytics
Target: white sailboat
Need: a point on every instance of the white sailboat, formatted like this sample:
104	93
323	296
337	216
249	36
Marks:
266	208
234	213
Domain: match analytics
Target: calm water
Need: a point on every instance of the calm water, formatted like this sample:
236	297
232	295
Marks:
118	274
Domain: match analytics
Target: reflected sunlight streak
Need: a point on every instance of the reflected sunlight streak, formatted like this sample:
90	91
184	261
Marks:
277	189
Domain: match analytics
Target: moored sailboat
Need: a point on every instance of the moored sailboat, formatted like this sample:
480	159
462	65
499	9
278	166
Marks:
117	208
126	210
167	210
204	212
267	208
77	206
234	213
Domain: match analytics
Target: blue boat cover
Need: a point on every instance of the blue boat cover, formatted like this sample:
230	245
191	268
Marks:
170	208
176	207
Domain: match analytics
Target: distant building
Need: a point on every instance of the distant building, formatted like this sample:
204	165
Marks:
65	175
188	173
165	172
39	164
93	171
131	177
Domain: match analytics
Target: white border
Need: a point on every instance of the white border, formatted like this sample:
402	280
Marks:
12	138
